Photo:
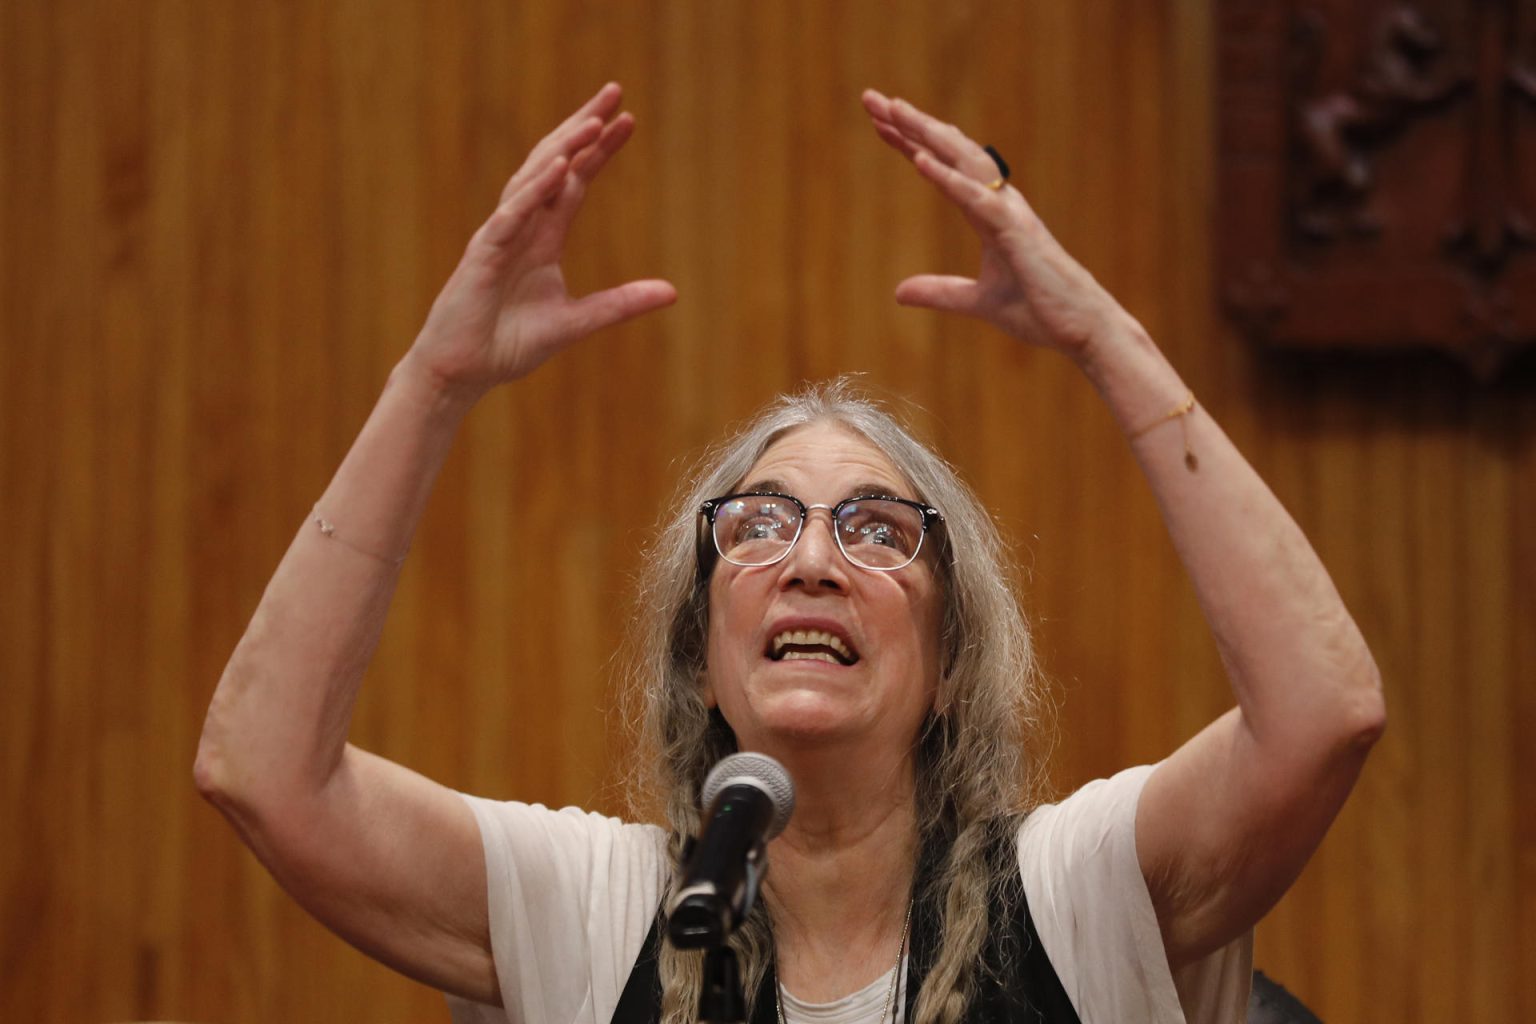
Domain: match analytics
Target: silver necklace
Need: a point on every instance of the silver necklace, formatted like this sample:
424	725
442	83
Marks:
890	996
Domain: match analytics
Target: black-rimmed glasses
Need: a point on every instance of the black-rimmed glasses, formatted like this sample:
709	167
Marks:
873	531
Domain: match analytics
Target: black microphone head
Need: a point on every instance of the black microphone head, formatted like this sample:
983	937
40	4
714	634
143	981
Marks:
757	770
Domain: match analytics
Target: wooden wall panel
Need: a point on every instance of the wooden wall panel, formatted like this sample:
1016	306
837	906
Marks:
223	223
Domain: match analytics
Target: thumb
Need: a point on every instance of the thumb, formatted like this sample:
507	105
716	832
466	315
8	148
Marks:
940	291
615	305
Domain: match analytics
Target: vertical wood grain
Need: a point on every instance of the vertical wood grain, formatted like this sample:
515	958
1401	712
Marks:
224	223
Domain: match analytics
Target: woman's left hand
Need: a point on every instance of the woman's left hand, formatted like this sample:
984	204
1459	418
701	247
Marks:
1027	285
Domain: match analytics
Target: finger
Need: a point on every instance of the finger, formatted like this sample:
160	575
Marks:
940	291
572	135
615	305
603	104
897	141
876	103
514	213
574	132
560	143
600	108
926	130
878	106
589	161
566	202
985	208
945	141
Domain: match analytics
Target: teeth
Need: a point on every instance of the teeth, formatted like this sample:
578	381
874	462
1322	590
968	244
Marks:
811	637
810	656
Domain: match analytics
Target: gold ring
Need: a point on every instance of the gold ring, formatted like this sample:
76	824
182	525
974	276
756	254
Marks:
995	185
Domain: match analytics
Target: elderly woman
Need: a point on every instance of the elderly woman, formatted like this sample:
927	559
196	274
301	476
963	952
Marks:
828	593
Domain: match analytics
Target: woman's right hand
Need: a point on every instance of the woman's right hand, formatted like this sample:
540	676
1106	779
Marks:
506	308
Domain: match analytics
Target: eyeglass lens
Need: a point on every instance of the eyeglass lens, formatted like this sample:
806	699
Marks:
876	533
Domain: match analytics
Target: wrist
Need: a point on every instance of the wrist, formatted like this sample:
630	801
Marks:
1122	341
1133	377
439	397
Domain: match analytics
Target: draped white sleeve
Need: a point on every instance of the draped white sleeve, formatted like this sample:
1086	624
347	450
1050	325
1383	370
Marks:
1095	918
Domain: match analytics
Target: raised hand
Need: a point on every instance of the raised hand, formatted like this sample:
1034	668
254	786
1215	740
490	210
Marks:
506	309
1027	284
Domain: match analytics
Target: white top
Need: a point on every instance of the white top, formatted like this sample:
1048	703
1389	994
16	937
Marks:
866	1006
573	895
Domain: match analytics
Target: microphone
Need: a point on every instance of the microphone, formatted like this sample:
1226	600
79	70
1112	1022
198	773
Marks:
748	798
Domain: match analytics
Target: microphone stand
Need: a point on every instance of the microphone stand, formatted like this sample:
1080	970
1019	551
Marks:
720	998
749	798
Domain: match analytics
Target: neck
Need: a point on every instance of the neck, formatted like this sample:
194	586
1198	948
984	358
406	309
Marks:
840	875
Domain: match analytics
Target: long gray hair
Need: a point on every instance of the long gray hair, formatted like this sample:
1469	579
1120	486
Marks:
980	755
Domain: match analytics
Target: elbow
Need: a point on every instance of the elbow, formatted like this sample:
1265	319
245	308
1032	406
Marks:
214	776
223	770
1365	721
1371	719
210	771
217	769
1352	702
1365	713
217	777
241	777
203	777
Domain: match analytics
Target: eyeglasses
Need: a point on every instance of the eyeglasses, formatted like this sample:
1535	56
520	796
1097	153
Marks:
875	531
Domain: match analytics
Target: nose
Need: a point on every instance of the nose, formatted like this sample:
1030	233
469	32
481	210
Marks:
815	561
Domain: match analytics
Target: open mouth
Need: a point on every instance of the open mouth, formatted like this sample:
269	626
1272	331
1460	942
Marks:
811	645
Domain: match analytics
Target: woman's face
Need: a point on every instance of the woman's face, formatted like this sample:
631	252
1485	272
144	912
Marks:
882	684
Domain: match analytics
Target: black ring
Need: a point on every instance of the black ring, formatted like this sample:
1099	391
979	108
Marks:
997	158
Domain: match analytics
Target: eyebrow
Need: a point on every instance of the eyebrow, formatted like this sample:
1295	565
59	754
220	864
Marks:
859	490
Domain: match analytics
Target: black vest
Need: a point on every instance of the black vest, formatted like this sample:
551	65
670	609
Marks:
1028	992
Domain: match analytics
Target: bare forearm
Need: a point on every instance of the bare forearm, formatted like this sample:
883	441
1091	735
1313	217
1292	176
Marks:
1297	662
279	718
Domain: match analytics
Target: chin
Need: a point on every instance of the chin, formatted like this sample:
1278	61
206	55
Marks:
807	716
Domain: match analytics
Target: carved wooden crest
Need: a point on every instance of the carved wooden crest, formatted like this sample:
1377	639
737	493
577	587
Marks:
1377	170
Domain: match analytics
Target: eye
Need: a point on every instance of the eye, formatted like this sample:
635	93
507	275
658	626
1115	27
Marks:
760	528
748	521
880	534
881	523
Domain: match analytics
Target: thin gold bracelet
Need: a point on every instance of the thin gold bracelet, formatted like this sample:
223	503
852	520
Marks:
328	530
1179	412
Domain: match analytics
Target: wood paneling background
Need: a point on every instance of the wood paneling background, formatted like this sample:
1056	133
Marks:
221	224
